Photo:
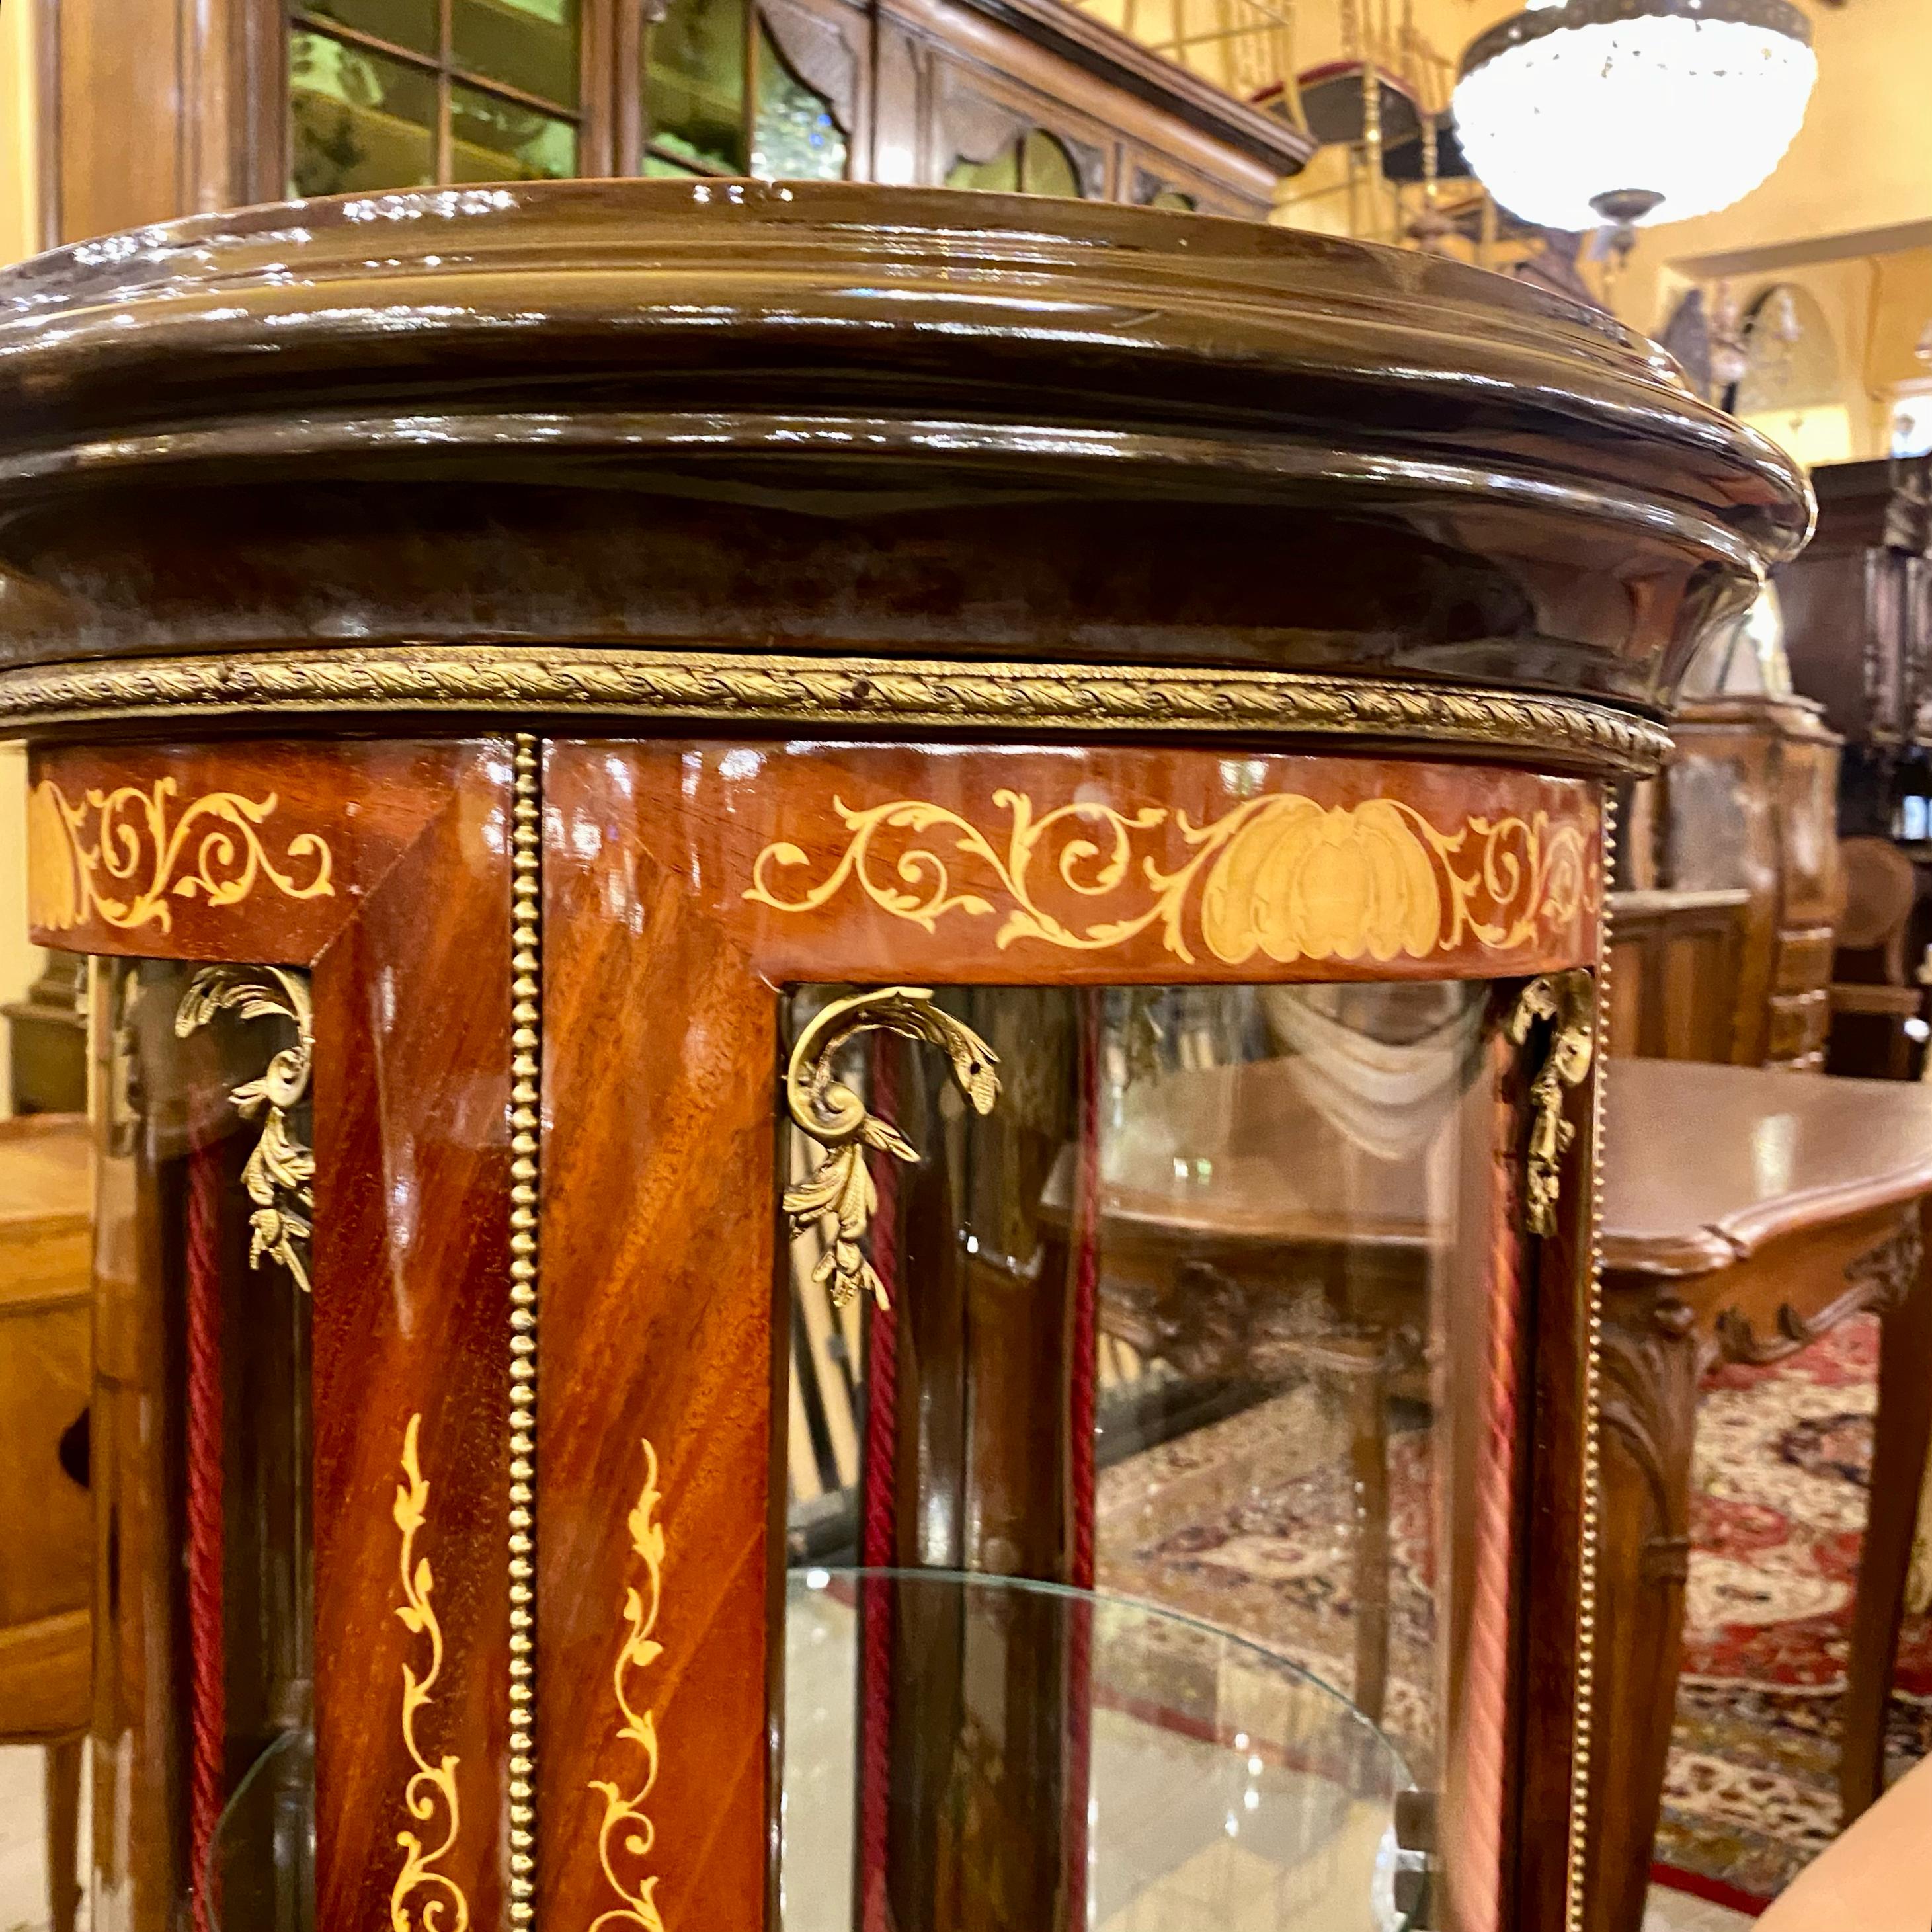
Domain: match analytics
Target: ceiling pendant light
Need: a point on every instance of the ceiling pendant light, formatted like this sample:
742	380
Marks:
1578	113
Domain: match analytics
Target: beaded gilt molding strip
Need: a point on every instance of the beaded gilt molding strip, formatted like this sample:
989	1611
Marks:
1577	1873
759	688
526	1052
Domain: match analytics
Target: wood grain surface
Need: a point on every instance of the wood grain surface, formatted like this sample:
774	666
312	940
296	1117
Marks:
658	1290
1080	865
190	824
411	1316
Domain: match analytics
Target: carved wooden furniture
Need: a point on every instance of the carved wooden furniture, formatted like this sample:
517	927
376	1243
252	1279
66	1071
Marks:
1675	958
1750	802
636	763
248	100
1874	995
1857	615
1745	1214
46	1043
46	1581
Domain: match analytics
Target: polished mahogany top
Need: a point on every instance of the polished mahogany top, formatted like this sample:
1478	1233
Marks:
1706	1164
833	417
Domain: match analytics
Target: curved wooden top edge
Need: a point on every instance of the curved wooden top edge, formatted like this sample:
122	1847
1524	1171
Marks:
1090	313
1706	1165
787	692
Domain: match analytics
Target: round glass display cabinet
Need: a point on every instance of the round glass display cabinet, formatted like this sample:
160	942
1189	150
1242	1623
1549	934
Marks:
789	878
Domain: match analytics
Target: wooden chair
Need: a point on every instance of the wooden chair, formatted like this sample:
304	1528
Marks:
46	1584
1872	997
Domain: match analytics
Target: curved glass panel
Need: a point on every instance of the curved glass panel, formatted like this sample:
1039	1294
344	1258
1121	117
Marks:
1218	1305
1192	1782
200	1461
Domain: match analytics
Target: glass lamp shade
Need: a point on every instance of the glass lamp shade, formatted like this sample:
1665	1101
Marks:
1662	110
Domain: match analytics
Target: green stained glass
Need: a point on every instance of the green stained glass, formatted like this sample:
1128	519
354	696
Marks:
1036	163
694	85
794	137
528	44
403	23
1000	175
356	119
1047	168
1173	198
495	139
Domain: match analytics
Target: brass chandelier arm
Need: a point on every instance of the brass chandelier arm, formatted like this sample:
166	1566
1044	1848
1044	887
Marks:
841	1187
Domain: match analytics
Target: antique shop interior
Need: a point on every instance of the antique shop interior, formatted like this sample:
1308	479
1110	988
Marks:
967	965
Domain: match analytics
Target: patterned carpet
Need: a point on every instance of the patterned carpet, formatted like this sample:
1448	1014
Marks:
1778	1512
1248	1523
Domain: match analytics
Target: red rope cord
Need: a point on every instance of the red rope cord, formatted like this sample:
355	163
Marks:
1477	1877
1083	1374
1085	1368
878	1541
207	1688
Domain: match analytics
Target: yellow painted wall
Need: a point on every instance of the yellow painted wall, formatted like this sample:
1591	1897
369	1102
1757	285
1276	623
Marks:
19	236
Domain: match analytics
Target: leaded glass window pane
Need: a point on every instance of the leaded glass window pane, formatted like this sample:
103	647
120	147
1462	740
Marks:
356	118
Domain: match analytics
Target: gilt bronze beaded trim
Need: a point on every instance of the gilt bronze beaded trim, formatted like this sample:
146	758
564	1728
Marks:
794	691
526	1073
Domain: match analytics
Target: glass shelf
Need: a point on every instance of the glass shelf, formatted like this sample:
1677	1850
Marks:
260	1875
1223	1787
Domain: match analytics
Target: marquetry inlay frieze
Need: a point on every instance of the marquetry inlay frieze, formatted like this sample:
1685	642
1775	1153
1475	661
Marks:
122	858
1282	877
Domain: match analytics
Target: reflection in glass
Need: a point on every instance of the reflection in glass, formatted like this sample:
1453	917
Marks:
357	119
1203	1311
530	45
200	1466
1193	1783
494	139
794	136
403	23
695	86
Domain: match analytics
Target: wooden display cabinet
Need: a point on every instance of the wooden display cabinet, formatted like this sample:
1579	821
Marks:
245	101
824	871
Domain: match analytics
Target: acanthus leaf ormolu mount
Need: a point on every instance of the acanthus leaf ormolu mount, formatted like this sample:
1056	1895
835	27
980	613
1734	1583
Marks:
588	636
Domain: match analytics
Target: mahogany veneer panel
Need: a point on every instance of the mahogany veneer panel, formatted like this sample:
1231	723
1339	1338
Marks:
660	1071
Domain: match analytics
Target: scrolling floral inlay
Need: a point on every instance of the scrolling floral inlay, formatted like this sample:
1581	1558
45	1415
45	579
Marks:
1282	875
828	1110
627	1834
279	1174
120	856
1567	1000
423	1898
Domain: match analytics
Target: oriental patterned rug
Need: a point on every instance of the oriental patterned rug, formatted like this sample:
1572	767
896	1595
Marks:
1777	1514
1248	1524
